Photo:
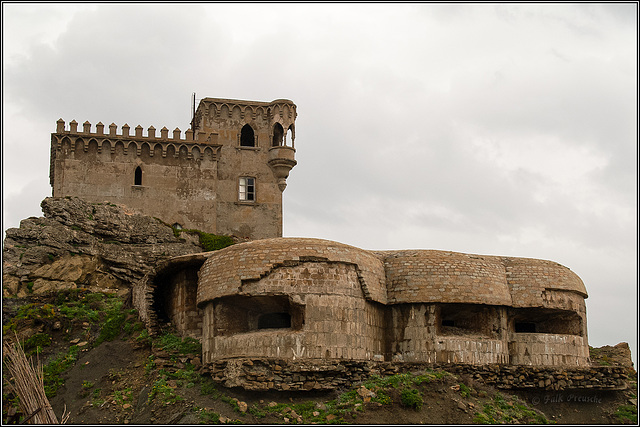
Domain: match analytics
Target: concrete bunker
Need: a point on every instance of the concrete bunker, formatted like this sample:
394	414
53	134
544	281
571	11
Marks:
296	298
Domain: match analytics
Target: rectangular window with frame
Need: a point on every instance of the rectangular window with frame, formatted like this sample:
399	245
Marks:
247	189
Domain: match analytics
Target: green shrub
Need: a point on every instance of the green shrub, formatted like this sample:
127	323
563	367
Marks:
382	397
212	242
36	342
627	413
112	327
411	398
464	390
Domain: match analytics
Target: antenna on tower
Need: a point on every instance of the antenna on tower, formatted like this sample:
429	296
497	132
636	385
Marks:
193	111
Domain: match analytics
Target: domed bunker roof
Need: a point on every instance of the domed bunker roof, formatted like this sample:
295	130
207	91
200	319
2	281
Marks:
446	277
453	277
528	278
393	277
225	270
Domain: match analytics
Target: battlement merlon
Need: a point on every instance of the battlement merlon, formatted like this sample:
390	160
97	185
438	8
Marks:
210	138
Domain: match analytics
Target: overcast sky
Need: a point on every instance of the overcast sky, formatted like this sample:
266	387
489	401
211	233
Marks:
506	129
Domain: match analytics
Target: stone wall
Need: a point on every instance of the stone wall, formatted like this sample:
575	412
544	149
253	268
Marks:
152	295
283	375
177	181
191	182
180	303
336	321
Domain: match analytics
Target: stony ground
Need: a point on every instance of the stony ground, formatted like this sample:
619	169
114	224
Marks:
101	367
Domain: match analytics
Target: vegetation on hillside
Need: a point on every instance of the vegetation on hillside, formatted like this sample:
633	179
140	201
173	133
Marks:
61	328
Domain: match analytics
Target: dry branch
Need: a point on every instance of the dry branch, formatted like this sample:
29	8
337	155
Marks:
29	386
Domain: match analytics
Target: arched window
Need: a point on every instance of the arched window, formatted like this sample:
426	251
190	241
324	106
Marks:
137	180
278	134
291	136
247	138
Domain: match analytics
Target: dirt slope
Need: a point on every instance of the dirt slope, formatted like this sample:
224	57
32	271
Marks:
103	368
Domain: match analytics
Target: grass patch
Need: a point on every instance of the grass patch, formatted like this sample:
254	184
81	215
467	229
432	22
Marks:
164	392
208	417
627	413
503	410
53	369
175	344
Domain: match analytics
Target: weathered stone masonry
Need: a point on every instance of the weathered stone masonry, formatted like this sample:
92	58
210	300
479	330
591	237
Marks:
305	375
225	177
297	299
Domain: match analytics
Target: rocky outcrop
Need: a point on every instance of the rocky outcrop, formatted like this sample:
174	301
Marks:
99	246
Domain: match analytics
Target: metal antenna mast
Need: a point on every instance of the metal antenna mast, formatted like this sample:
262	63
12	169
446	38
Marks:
193	111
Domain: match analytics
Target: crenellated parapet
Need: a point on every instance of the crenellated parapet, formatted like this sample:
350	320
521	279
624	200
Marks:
224	175
164	144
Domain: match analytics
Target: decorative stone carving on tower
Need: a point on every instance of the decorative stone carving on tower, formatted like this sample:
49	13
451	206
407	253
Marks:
281	161
226	177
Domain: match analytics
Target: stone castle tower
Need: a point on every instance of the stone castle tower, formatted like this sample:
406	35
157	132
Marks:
225	177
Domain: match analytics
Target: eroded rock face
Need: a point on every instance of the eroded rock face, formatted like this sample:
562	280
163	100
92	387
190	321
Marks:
100	246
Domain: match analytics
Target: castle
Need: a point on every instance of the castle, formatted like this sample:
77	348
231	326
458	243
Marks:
225	177
302	298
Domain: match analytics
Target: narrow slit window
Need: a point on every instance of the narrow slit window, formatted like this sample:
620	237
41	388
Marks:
247	189
525	327
274	321
137	180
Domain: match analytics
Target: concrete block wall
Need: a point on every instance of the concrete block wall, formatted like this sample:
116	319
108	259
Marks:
548	350
181	304
338	322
